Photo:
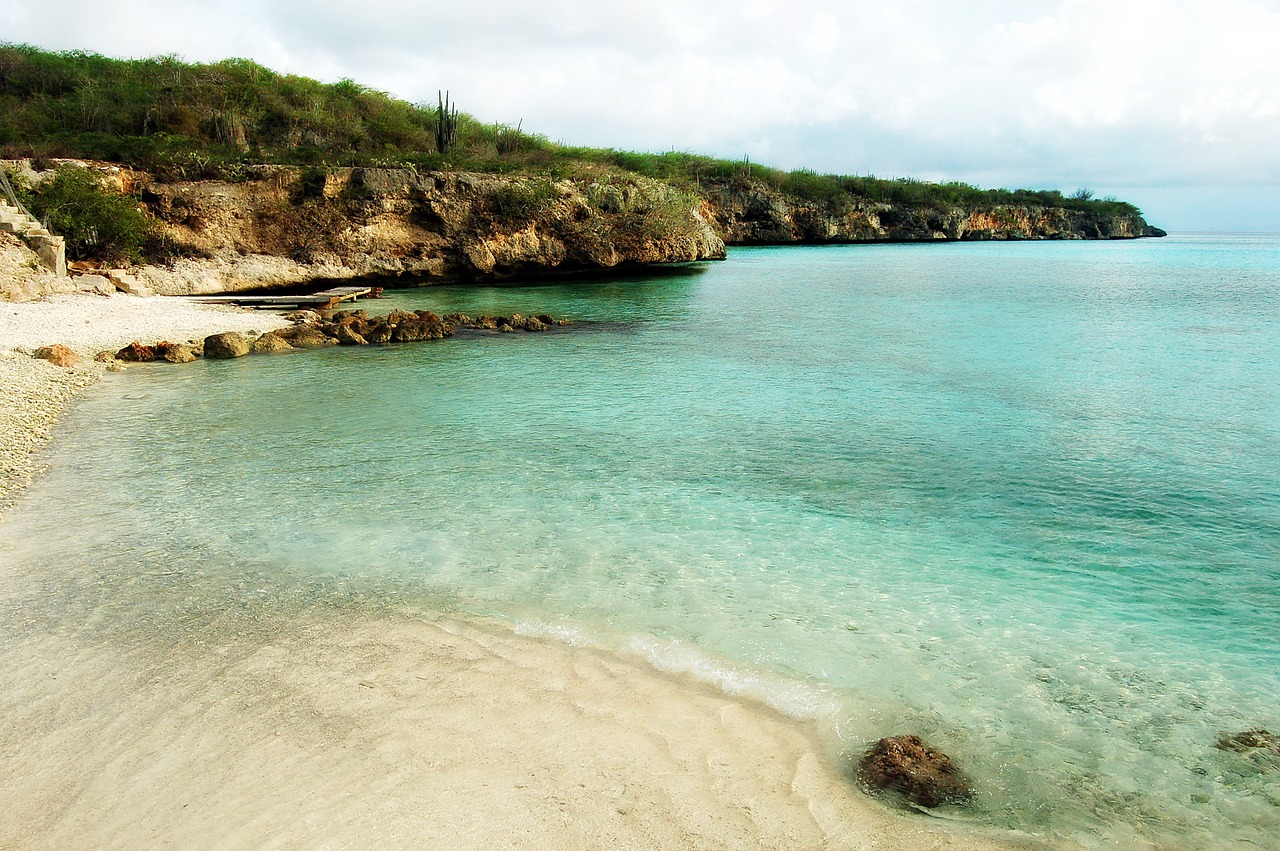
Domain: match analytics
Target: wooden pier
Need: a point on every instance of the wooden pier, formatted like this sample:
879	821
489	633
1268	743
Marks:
324	300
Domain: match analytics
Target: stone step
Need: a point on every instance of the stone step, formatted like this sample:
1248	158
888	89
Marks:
50	248
127	283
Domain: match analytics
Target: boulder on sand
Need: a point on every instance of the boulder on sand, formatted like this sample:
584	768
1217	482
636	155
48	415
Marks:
227	345
175	352
58	355
137	353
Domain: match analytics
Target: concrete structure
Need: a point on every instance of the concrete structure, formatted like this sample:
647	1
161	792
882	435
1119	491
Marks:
52	250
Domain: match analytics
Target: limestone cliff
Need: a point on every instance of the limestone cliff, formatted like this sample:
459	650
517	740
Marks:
283	225
753	213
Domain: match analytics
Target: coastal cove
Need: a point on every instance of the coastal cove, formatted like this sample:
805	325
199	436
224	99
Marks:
1018	498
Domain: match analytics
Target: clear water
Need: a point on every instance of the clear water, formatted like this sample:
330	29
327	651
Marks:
1021	499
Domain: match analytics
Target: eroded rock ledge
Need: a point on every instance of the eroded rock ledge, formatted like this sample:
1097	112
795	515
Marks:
283	225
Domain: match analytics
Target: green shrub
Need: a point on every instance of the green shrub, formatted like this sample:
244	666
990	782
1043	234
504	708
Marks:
515	204
95	222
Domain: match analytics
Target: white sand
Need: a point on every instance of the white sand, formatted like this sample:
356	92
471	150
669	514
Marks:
384	732
93	323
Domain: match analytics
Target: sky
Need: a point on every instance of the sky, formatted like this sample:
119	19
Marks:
1173	105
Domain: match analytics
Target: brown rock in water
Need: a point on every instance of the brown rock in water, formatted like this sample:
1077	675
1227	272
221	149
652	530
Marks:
355	323
1249	740
58	355
905	763
533	323
377	331
174	352
458	320
306	337
417	330
486	323
227	345
347	336
395	317
137	353
504	328
271	342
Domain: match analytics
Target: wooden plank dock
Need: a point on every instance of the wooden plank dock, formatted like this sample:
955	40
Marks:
324	300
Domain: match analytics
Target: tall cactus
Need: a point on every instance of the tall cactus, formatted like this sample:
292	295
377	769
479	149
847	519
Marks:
446	123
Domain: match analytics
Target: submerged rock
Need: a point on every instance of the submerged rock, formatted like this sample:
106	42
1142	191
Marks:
1249	740
907	764
227	345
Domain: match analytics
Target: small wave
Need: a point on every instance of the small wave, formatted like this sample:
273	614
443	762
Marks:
796	699
571	635
791	698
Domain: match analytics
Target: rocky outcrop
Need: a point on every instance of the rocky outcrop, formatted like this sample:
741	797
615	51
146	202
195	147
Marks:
278	226
908	765
753	213
283	225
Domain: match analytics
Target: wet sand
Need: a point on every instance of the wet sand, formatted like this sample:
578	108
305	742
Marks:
334	730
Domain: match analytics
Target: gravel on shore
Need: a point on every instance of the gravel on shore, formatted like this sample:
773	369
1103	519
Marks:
34	392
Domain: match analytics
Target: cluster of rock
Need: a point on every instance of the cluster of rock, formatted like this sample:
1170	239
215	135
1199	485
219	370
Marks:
313	330
357	328
907	764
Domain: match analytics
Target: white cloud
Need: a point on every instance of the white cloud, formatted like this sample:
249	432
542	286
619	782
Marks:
1064	93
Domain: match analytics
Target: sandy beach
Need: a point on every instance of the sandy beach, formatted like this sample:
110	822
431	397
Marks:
335	727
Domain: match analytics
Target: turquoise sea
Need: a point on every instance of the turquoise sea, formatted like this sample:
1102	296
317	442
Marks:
1022	499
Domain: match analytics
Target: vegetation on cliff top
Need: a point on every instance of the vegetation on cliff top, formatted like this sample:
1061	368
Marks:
193	121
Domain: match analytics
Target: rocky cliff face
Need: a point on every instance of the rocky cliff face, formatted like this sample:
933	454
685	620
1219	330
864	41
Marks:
284	225
277	226
755	214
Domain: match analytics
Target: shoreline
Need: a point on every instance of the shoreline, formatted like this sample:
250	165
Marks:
34	392
357	725
405	729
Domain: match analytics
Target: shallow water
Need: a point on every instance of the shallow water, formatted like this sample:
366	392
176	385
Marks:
1022	499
